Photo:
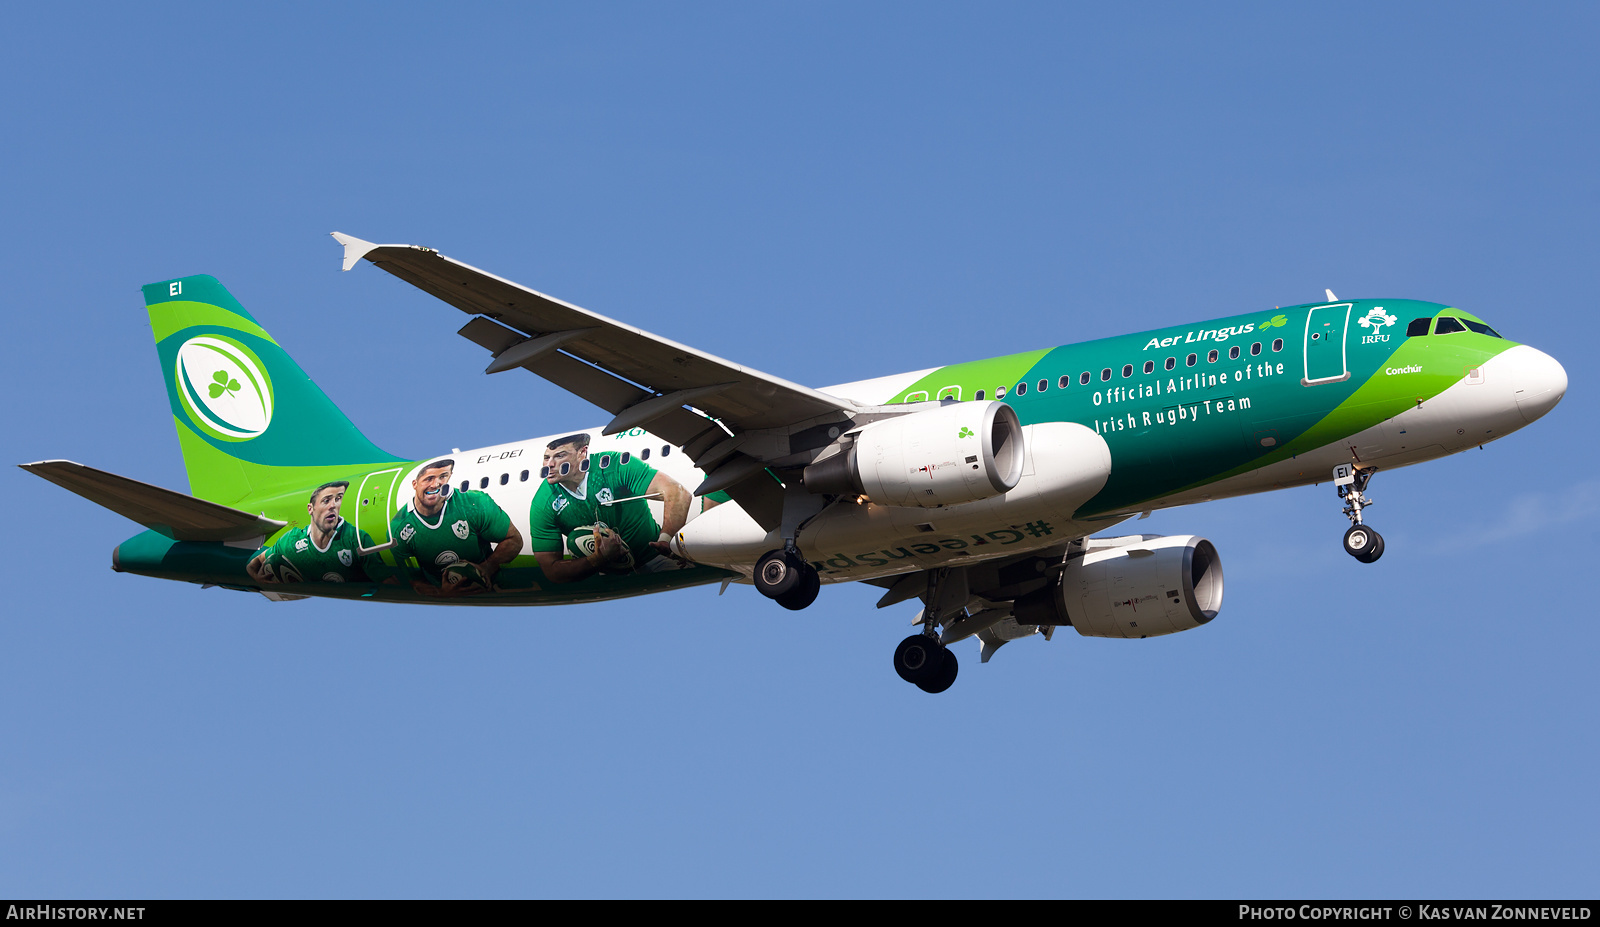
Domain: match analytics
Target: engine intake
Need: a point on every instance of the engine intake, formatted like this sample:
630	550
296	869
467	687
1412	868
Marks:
959	452
1133	588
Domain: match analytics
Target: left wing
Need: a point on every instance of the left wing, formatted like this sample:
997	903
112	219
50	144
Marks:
742	421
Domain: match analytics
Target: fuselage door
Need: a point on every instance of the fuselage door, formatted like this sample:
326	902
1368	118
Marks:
1324	344
374	505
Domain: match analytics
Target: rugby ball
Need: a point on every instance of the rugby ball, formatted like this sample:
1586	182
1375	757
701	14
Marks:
463	577
282	567
581	542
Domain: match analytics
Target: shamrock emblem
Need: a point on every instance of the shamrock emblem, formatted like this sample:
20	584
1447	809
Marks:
220	383
965	432
1277	321
345	557
460	529
604	496
1376	319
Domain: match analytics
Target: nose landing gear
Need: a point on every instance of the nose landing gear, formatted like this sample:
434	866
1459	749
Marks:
1360	542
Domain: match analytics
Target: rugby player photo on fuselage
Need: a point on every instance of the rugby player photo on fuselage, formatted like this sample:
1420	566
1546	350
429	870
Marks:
459	540
598	509
327	550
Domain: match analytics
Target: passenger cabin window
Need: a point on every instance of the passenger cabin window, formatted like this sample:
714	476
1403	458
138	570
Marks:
605	461
1255	349
1105	374
1418	327
1022	389
1083	378
466	485
1447	326
1212	357
1065	381
666	449
1042	385
1127	371
1149	366
999	392
627	456
524	476
1277	344
1481	328
644	454
1233	353
583	465
505	478
980	399
1172	362
1191	359
484	483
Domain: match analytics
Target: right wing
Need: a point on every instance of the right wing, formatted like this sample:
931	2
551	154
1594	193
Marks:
735	423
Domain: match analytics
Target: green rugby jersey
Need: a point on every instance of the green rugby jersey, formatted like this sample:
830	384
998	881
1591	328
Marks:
339	562
557	510
466	529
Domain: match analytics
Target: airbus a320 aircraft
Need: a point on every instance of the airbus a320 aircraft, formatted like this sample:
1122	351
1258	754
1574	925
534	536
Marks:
977	487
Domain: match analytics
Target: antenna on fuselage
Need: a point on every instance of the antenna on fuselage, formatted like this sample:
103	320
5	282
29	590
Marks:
1331	298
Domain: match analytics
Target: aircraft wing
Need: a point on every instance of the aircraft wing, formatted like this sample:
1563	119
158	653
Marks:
642	379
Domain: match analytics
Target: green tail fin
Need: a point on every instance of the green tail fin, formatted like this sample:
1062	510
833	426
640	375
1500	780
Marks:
250	422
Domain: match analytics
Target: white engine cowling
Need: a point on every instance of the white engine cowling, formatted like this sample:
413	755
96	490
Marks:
960	452
1134	587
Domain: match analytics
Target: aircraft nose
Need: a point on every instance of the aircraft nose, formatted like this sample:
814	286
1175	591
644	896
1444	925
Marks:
1540	381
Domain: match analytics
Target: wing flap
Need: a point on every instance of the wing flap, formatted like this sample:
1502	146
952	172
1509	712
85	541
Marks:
178	516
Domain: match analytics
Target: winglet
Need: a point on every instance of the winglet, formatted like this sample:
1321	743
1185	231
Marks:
354	248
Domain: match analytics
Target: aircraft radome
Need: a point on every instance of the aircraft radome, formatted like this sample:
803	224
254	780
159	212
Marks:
977	487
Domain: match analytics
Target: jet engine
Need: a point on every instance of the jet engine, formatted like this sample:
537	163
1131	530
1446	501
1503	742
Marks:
1134	587
959	452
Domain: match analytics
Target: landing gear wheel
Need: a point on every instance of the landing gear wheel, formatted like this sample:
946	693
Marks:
804	592
919	658
1363	543
778	572
945	678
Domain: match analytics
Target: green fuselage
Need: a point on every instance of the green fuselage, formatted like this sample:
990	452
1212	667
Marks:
1190	405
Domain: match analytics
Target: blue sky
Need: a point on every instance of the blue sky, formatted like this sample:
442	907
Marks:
826	192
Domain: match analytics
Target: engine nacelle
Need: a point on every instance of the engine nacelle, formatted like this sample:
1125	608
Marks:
959	452
1133	587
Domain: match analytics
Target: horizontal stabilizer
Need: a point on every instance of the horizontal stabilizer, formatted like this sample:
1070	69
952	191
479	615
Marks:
180	517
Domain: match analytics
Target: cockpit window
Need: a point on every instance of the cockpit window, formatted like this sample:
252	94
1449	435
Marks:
1417	327
1481	328
1446	326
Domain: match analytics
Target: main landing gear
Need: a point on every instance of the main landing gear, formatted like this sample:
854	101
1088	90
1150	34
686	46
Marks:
925	663
785	577
922	659
1360	542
